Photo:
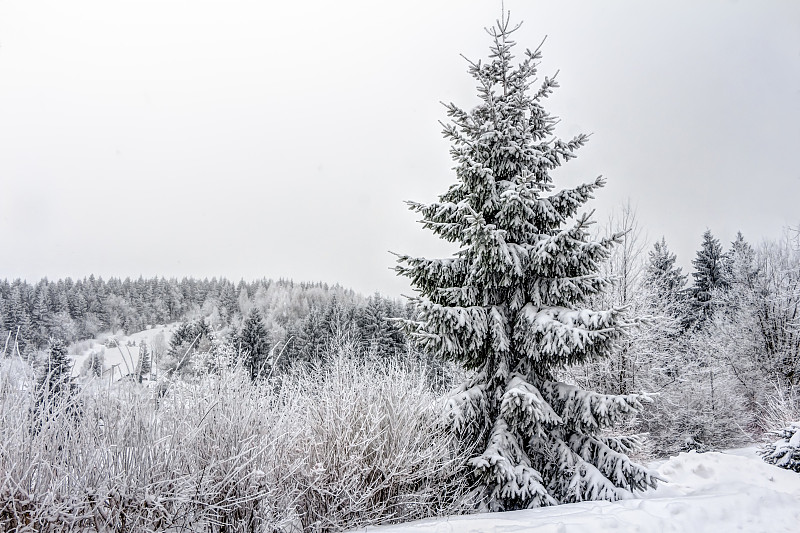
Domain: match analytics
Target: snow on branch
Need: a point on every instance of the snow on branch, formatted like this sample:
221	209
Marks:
430	274
615	466
524	408
589	411
451	330
466	407
507	466
558	333
573	479
567	202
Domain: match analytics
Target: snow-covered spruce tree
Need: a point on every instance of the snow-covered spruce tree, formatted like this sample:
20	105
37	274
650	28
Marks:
54	382
708	277
665	279
510	305
145	364
254	341
785	452
56	367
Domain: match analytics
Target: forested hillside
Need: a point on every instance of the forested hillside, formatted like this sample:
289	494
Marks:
304	314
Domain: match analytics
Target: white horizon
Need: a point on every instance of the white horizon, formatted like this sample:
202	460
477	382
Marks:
249	140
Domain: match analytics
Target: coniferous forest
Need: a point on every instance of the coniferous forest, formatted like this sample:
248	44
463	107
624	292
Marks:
295	314
545	362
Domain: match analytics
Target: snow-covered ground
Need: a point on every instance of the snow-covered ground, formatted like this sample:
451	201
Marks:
703	493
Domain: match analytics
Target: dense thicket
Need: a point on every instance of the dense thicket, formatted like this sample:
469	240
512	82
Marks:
350	444
714	353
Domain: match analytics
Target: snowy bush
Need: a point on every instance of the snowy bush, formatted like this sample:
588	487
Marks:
373	448
127	465
781	408
351	445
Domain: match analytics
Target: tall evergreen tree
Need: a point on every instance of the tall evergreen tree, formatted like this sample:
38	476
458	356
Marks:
39	315
661	271
77	304
511	304
55	372
254	343
3	331
188	339
14	310
144	366
228	300
310	337
379	335
94	364
708	277
664	285
739	264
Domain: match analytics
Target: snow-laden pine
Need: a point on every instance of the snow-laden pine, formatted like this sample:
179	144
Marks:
511	304
785	452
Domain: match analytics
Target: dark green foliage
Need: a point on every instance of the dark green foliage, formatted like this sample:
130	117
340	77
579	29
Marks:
228	301
708	277
302	319
380	335
189	338
144	366
76	310
309	338
54	376
371	325
254	345
785	452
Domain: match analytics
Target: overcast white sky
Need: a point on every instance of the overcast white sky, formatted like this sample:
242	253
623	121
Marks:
280	139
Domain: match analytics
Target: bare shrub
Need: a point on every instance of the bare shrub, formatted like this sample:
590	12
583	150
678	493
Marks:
346	445
372	446
127	465
781	408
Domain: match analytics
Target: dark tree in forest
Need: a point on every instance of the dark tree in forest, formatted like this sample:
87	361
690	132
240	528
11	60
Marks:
254	345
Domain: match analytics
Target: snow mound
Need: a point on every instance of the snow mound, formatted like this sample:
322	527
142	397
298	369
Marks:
702	493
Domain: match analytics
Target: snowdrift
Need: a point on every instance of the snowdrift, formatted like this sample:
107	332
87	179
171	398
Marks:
703	493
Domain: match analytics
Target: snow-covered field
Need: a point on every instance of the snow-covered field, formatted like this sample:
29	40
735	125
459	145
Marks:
123	357
703	492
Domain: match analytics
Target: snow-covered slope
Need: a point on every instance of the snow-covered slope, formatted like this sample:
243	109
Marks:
123	357
703	493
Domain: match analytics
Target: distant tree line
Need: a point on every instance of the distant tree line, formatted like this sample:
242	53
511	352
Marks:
300	318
